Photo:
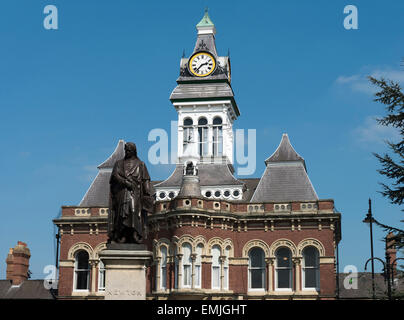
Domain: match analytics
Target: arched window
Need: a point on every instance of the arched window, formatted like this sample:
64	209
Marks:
186	265
188	131
226	268
203	137
101	276
283	269
81	271
198	265
163	268
256	269
311	276
215	267
217	137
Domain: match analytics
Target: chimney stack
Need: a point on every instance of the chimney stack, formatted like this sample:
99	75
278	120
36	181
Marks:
18	263
391	251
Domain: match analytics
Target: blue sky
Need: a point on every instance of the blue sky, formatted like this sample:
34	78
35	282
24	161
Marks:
68	95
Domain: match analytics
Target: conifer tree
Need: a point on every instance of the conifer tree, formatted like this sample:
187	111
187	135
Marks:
392	165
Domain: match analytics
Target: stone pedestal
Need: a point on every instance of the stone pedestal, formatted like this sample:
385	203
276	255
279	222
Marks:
125	271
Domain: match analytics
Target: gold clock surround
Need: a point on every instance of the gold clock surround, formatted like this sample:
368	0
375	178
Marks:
192	71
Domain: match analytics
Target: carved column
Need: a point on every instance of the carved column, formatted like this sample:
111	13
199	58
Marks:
222	260
193	259
270	267
210	138
157	277
93	264
297	267
179	273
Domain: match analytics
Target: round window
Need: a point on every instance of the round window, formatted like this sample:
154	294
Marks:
217	194
236	193
208	194
171	195
227	193
162	195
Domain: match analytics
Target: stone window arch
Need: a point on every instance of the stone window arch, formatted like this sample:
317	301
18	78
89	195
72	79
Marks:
96	252
282	243
216	241
228	245
80	246
255	243
185	239
310	242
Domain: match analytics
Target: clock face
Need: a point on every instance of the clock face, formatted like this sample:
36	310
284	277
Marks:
202	64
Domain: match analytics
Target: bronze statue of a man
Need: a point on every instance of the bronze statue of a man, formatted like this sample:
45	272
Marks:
130	199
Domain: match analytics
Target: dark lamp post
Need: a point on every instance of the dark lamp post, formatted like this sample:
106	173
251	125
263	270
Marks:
369	219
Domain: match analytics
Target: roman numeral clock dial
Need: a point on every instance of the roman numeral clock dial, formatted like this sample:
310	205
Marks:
202	64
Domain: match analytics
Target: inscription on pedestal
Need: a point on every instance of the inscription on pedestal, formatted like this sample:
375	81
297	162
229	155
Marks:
125	273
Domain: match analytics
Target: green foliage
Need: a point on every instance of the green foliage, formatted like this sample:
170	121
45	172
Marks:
392	164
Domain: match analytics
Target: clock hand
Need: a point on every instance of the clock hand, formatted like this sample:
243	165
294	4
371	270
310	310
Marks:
205	63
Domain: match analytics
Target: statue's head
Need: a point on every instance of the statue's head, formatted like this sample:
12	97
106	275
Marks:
130	150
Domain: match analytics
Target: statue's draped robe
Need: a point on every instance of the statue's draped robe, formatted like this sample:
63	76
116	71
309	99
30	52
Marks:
129	208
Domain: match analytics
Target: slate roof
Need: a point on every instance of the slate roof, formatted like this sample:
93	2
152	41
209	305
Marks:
98	193
284	152
119	153
29	289
201	90
209	175
364	290
285	178
250	187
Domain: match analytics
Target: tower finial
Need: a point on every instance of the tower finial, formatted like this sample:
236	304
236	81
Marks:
205	22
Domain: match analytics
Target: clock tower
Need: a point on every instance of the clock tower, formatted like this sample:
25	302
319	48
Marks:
204	101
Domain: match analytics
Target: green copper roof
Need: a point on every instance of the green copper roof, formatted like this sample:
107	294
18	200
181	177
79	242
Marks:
205	22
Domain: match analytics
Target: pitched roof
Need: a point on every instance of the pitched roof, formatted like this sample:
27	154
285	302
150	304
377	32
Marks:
98	193
285	178
364	289
29	289
119	153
